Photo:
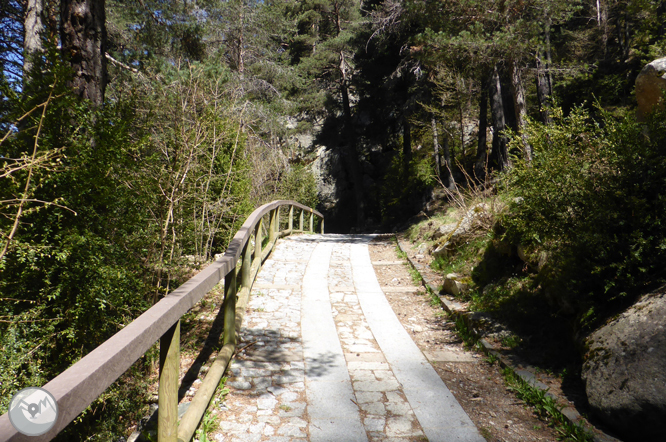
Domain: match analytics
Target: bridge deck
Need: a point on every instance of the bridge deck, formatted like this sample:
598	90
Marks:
325	358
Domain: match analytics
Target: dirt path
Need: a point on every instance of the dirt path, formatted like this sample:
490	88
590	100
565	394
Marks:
477	385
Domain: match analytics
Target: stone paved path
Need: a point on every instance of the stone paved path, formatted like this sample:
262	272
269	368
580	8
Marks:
325	359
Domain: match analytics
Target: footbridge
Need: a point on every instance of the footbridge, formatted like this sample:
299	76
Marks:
311	346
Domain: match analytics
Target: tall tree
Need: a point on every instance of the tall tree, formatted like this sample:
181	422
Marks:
34	27
500	153
481	163
520	106
83	37
324	49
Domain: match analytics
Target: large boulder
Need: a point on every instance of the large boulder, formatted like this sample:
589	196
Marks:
330	177
625	370
650	87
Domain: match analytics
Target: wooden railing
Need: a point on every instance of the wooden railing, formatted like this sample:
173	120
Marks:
77	387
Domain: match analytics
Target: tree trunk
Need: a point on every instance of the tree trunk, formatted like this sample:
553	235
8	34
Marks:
241	42
481	164
406	146
518	91
543	92
447	163
83	37
603	15
435	145
351	155
442	156
32	40
549	59
500	152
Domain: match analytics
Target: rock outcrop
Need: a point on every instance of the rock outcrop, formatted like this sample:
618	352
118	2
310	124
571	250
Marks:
650	87
330	175
625	370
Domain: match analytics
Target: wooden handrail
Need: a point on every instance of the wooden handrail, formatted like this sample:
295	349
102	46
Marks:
78	386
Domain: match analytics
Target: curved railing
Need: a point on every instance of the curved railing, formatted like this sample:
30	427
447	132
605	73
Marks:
78	386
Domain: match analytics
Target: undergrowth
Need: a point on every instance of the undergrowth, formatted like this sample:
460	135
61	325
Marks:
546	408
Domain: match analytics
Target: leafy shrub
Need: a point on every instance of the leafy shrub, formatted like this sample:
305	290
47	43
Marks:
69	279
594	198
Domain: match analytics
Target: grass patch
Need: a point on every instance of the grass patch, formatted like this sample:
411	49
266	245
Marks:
546	408
502	294
207	425
465	333
465	258
424	230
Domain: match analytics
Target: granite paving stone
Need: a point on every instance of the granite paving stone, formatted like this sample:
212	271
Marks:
313	364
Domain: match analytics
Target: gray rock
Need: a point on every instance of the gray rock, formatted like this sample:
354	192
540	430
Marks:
624	371
331	179
452	286
650	85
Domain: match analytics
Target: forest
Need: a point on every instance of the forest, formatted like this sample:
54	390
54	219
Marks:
137	135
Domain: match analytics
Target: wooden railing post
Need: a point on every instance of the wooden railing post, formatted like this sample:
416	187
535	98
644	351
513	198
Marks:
258	239
229	308
277	220
167	417
246	268
322	225
311	222
271	227
301	219
291	218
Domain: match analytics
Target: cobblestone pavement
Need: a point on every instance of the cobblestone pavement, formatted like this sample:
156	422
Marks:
320	377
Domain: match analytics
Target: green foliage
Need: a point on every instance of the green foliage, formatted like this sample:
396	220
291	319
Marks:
464	259
73	272
546	408
298	184
100	208
593	199
465	333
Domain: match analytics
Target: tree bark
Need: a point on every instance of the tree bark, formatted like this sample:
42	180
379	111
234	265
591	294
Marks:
500	153
481	164
549	59
406	145
240	40
442	156
448	164
518	91
83	37
32	39
543	91
435	145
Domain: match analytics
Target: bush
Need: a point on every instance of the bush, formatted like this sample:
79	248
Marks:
594	198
